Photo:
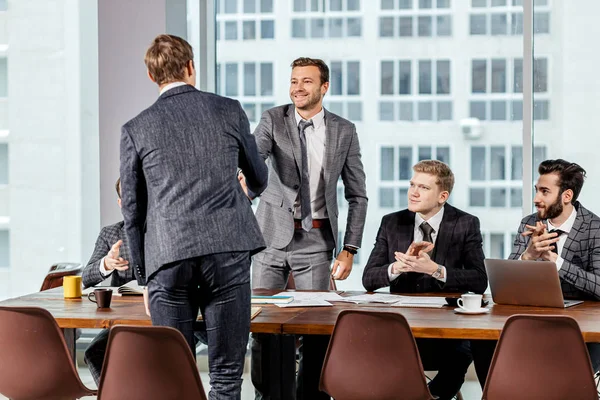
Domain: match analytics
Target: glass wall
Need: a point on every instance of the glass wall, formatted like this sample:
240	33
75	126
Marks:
565	87
421	79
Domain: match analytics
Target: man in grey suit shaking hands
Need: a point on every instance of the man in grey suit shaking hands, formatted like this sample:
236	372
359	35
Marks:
184	210
309	149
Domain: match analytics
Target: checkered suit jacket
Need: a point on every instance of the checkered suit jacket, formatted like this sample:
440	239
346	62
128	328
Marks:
580	271
278	142
458	247
109	235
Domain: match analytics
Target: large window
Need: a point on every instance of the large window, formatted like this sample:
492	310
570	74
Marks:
415	90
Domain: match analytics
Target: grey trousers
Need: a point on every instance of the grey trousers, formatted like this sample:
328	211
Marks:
308	257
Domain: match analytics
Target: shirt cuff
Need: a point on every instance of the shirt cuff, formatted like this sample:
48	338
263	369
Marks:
444	276
559	262
392	276
351	245
103	270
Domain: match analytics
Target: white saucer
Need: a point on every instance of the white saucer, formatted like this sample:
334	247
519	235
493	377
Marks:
482	310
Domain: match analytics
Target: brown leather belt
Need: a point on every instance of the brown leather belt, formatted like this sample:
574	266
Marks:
316	223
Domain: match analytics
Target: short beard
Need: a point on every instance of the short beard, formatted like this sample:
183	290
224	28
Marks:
313	100
553	211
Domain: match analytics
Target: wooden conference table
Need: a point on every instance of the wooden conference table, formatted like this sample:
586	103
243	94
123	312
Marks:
424	322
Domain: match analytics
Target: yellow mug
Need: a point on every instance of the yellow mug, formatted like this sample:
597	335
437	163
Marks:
72	286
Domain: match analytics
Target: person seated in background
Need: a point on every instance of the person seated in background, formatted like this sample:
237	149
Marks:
431	247
561	231
109	259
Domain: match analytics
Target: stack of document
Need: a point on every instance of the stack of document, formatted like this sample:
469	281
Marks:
421	302
383	298
310	299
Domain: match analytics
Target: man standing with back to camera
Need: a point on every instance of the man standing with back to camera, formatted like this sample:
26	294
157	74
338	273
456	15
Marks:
309	149
185	210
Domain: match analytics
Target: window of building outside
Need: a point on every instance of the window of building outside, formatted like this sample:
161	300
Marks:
505	17
3	77
320	19
415	90
249	82
428	94
343	97
497	89
415	18
4	248
3	164
497	175
396	171
245	19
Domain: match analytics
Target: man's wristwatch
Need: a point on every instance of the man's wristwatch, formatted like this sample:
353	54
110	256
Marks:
438	272
350	250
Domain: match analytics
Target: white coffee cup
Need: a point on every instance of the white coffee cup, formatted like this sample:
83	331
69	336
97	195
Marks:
470	301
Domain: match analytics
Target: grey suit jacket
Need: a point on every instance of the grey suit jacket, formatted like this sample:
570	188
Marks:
180	194
278	141
109	235
580	271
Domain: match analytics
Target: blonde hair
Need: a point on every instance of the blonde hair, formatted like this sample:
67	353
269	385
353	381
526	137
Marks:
443	173
167	58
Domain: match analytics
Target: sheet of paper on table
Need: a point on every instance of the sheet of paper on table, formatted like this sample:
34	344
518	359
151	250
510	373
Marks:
310	299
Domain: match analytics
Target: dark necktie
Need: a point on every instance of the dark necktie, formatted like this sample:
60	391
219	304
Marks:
427	231
306	214
559	232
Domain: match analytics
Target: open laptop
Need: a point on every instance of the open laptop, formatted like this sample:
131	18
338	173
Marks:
526	283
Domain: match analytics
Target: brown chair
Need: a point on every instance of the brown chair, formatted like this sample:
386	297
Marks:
540	357
292	285
54	277
373	356
146	363
34	359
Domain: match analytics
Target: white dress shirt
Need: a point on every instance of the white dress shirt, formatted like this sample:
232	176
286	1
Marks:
170	86
435	223
566	228
315	149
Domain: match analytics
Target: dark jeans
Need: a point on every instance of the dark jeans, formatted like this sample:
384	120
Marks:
218	285
483	352
451	358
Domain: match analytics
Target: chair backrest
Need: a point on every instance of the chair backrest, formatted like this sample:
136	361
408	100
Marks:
146	363
54	277
373	356
34	359
291	284
540	357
